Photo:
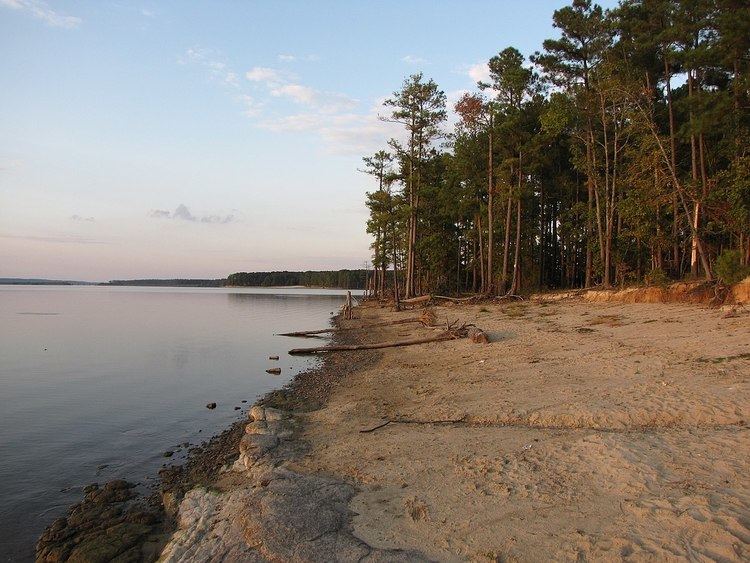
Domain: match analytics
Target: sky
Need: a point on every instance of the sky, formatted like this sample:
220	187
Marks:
196	139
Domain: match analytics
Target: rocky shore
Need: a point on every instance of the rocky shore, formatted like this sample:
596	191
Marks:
237	498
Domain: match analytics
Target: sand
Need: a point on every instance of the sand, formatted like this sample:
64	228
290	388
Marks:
583	431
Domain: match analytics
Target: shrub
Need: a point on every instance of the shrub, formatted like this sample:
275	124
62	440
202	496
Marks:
729	269
657	277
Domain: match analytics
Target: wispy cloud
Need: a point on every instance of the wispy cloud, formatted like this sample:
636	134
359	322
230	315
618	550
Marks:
213	63
413	60
57	239
9	164
264	74
325	102
79	218
288	58
182	213
343	133
42	11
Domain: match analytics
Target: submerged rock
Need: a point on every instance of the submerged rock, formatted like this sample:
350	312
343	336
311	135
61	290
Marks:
211	406
111	523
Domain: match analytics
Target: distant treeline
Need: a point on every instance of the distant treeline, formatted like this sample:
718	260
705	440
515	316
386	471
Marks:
171	283
40	281
344	279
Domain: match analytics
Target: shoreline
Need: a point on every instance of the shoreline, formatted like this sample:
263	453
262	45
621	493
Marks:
580	430
113	520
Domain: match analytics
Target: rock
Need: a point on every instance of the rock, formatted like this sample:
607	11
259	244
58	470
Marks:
275	414
257	413
168	453
211	406
110	524
274	371
276	358
478	336
237	408
257	445
257	427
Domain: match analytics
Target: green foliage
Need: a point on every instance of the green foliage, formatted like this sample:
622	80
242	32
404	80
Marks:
344	279
624	145
729	268
657	277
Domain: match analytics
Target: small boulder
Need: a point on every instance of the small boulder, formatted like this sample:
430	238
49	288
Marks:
274	371
275	414
257	413
211	406
276	358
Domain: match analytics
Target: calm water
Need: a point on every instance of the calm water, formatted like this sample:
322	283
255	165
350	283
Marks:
97	383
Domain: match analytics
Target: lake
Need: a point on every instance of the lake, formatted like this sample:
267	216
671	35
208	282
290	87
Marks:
98	382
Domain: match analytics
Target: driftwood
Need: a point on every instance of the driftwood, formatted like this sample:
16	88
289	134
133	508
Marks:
410	421
427	318
457	299
392	344
449	333
420	299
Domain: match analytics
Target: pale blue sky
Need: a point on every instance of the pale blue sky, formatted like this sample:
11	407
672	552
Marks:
195	139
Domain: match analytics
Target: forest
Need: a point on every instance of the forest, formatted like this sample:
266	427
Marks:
341	279
616	154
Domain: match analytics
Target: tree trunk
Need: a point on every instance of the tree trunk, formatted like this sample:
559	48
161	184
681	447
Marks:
673	156
490	219
506	242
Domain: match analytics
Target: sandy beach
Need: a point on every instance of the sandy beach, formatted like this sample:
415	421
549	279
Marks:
582	431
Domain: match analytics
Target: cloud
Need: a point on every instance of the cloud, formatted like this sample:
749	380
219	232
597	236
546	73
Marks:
297	92
82	219
252	107
42	11
59	239
342	133
479	72
211	61
9	163
413	60
324	102
263	74
147	13
182	213
287	58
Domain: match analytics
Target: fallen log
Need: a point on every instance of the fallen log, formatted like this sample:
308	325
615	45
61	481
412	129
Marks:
416	300
427	318
391	344
457	299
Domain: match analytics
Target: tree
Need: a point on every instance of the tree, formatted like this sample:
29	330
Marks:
420	107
